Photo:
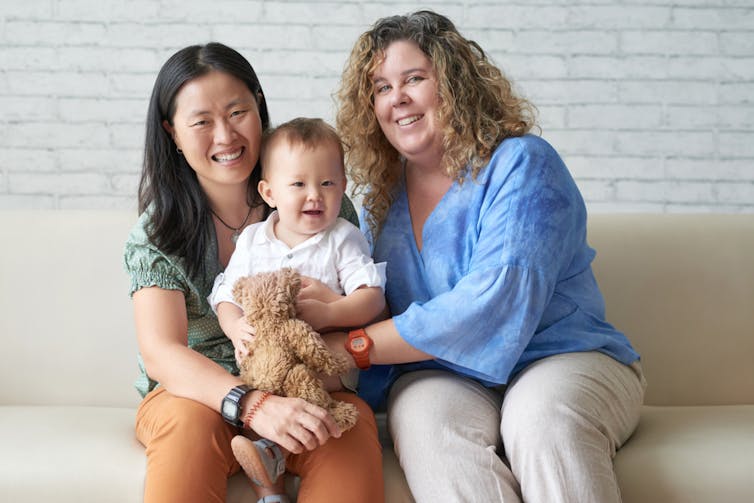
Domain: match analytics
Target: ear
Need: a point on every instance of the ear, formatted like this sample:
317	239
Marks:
167	127
265	191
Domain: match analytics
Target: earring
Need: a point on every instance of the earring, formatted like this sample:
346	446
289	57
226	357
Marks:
180	152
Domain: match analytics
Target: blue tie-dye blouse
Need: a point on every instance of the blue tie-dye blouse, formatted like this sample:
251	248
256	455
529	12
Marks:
504	275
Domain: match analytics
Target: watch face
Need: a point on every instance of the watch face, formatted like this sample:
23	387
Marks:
358	344
230	408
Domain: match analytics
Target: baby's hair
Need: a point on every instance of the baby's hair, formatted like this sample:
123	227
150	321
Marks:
301	131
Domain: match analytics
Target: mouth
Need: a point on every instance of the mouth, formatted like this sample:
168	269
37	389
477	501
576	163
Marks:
409	120
228	156
313	213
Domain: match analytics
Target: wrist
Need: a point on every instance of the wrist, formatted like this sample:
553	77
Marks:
359	345
232	403
252	406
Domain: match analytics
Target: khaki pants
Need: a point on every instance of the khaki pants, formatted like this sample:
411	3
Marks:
548	437
189	457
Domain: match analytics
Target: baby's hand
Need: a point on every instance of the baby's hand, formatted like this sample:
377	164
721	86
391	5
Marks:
314	312
240	334
316	290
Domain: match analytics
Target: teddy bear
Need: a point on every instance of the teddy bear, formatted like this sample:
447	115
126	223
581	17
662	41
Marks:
287	353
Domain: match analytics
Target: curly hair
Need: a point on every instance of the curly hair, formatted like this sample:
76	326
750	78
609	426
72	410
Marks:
478	107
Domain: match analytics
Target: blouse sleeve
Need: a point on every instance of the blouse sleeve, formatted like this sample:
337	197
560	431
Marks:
147	266
529	220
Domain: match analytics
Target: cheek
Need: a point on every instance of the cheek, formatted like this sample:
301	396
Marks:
381	111
191	144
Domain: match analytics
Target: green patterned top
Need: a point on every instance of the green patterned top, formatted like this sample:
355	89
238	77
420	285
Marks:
148	266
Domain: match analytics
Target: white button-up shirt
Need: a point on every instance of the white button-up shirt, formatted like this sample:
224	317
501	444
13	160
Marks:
338	257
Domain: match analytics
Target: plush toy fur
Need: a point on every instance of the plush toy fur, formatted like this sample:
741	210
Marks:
287	353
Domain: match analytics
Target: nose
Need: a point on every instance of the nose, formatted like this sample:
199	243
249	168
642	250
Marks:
398	97
224	132
314	193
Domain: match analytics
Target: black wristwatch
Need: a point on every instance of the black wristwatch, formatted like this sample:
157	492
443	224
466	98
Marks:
231	406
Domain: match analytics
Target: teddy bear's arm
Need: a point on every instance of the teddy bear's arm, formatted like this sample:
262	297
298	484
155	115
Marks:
312	350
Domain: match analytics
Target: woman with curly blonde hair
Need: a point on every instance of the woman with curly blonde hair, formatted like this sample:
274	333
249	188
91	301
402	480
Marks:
502	379
475	117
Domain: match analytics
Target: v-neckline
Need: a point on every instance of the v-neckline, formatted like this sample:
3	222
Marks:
420	247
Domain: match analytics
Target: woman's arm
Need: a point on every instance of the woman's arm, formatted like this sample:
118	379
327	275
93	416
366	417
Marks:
162	336
388	346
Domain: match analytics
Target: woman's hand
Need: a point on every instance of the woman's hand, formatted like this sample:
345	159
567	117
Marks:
293	423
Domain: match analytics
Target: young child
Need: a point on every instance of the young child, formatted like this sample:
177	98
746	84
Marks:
303	178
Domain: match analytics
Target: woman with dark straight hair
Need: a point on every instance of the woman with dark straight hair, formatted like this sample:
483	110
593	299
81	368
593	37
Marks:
198	191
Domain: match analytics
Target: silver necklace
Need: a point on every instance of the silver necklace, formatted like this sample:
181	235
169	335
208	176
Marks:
236	230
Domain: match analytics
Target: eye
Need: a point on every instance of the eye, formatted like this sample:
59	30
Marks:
199	123
381	89
328	183
413	79
297	184
236	113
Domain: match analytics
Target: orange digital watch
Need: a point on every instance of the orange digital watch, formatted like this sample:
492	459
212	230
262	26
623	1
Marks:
359	344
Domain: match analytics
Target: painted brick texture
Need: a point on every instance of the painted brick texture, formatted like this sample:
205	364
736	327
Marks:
650	102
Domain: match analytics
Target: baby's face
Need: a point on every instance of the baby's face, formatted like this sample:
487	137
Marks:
306	185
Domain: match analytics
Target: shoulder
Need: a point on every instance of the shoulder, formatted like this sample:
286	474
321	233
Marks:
343	225
527	148
527	156
344	231
138	233
252	232
138	242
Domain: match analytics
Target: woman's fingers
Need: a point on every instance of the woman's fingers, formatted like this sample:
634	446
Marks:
312	426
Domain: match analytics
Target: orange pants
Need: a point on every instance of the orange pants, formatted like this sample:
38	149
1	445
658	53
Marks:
189	457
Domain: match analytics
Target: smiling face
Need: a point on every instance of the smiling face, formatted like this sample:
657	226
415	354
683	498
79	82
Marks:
217	126
305	184
406	102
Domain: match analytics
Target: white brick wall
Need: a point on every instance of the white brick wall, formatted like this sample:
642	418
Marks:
650	102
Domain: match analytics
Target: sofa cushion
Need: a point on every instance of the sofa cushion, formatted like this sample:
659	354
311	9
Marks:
681	287
73	454
67	324
677	454
70	454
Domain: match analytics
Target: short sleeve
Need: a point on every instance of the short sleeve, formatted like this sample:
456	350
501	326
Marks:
147	266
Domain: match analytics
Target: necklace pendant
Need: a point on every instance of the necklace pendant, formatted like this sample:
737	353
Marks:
234	236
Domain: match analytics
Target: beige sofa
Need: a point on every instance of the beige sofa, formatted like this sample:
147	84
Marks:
681	286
